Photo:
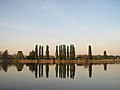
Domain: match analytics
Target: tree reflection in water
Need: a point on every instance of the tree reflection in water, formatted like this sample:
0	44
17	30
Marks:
19	66
56	69
72	71
66	68
36	70
40	70
90	70
62	70
5	66
47	70
105	66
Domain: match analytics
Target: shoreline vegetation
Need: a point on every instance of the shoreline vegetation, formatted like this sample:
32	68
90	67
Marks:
108	61
63	54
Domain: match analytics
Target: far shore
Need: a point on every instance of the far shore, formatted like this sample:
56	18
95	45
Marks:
71	61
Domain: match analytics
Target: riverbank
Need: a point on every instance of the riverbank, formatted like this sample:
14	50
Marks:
71	61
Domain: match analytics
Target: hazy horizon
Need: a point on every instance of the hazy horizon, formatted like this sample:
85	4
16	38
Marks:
25	23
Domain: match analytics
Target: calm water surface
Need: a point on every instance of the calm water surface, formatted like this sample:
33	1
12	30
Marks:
59	77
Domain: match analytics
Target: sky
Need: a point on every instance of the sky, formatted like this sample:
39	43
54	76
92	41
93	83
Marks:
25	23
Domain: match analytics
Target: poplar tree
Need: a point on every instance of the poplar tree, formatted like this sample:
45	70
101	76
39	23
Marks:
64	52
42	52
72	52
67	52
47	52
60	52
39	52
56	53
36	52
105	54
90	53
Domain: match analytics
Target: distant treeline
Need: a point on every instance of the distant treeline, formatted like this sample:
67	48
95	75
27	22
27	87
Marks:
62	52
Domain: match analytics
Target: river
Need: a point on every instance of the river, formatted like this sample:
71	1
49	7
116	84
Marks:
59	76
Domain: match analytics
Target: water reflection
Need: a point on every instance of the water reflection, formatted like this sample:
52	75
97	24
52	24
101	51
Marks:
72	71
105	66
40	70
65	70
56	69
62	70
90	70
5	66
47	70
19	66
36	70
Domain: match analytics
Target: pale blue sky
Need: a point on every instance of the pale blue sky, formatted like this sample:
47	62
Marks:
25	23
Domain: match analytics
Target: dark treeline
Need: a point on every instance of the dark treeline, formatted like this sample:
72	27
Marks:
62	52
5	55
65	52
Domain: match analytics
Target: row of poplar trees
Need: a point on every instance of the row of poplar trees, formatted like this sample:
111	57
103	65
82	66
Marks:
62	52
39	52
65	52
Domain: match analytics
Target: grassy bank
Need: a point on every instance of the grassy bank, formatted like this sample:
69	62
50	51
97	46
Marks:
71	61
